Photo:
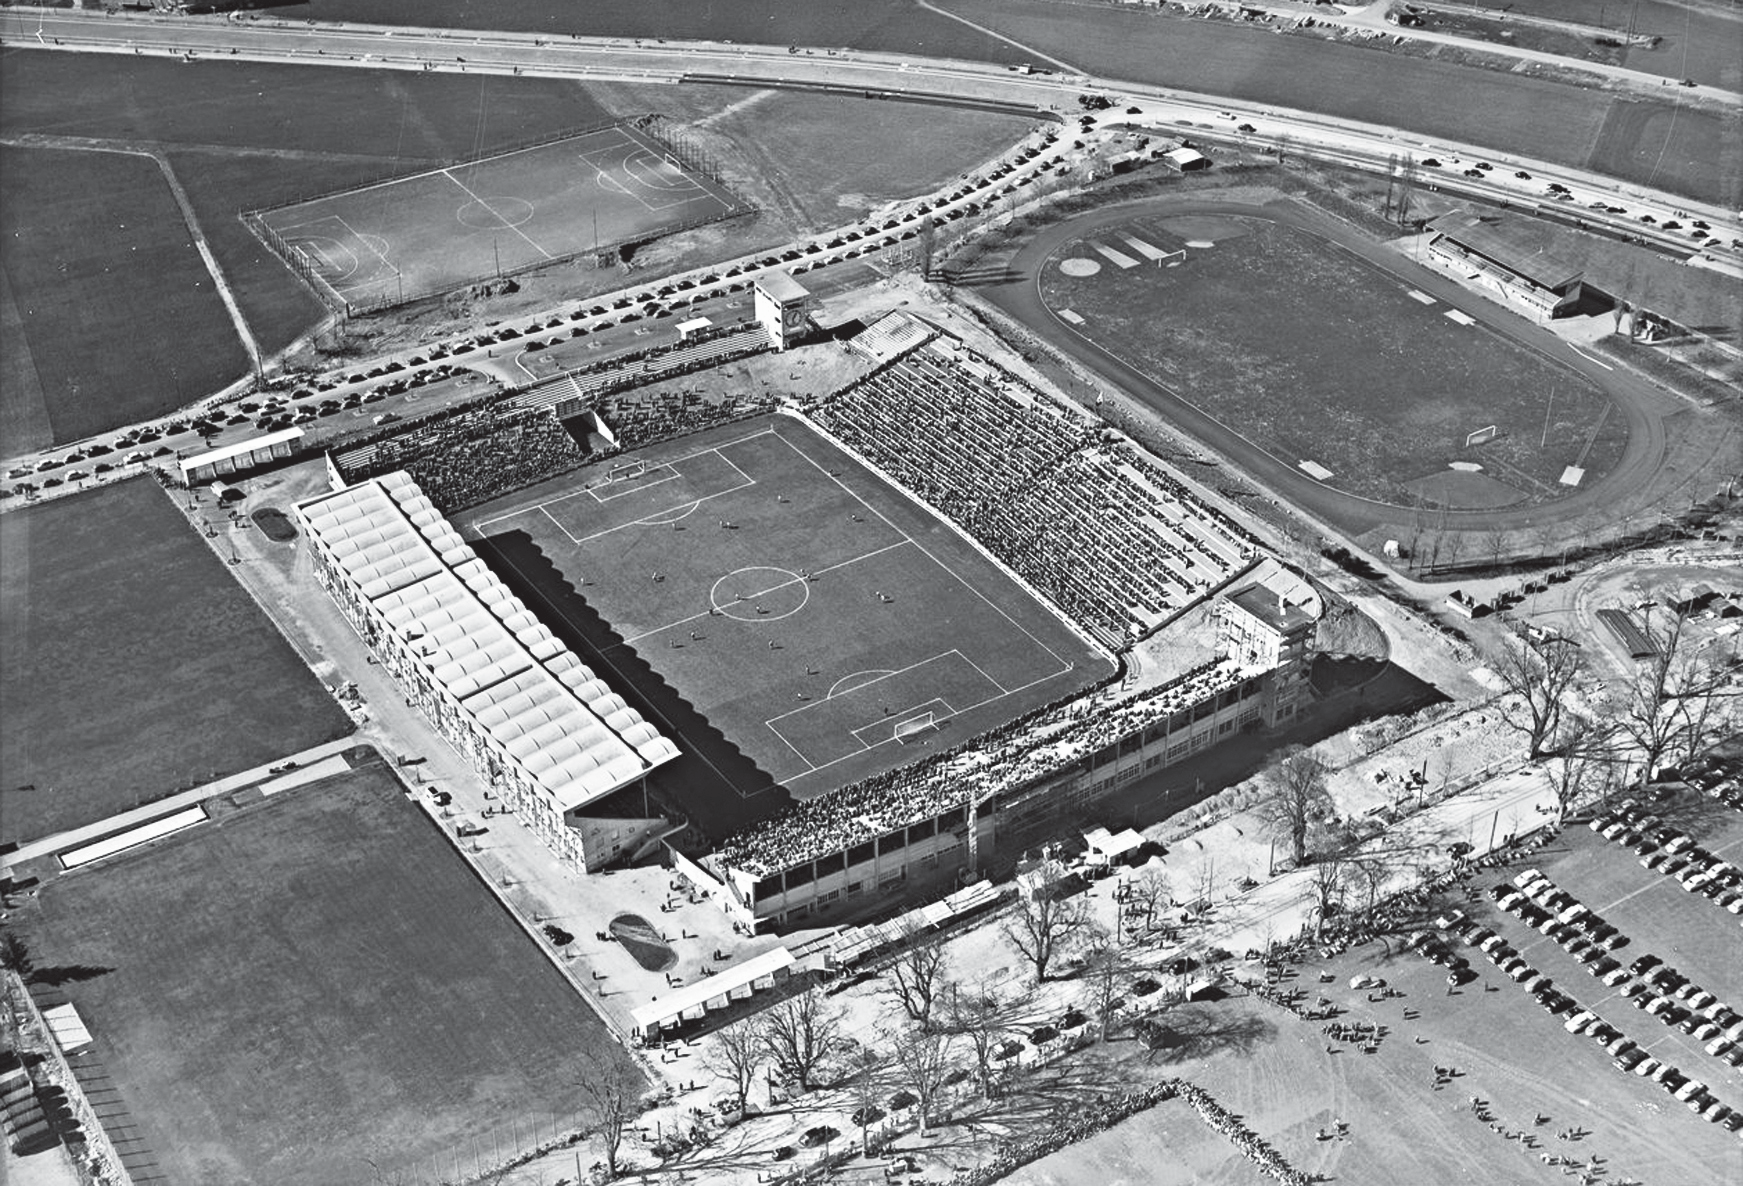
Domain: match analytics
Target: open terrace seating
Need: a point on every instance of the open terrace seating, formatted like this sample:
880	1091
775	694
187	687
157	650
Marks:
1112	539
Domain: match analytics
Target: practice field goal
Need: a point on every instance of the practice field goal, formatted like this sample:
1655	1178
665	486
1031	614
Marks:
1481	436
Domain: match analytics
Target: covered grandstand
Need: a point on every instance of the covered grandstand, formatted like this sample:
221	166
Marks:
537	724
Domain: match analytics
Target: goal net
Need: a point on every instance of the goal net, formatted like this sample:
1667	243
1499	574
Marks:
1481	435
624	471
919	723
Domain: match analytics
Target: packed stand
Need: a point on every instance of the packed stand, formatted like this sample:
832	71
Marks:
1109	537
643	417
1012	755
478	455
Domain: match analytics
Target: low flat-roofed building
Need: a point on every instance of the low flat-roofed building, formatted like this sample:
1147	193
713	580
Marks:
549	736
240	457
1512	258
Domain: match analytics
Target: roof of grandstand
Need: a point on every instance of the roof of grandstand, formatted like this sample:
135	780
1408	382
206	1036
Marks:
891	336
525	692
1518	245
1004	759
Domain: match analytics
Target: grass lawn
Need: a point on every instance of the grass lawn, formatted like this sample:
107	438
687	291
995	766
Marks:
832	156
808	676
132	665
315	989
1317	356
116	316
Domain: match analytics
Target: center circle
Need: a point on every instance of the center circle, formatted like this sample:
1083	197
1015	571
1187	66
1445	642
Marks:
760	594
494	214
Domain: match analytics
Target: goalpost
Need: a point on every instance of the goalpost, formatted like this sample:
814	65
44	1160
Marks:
1481	435
923	722
625	471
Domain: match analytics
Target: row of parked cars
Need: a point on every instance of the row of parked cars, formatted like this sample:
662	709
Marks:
1674	853
1626	1055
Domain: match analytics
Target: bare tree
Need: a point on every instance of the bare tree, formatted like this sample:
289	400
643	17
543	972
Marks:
1295	797
1540	677
923	1061
1452	546
1328	886
1494	542
1106	968
1369	872
735	1052
918	976
15	954
978	1019
800	1035
1146	895
1585	756
612	1087
870	1077
1043	926
1678	702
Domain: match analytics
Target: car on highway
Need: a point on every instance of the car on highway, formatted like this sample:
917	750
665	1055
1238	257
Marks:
1430	163
1522	175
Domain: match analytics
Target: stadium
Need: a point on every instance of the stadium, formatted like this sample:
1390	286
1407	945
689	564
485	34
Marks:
817	652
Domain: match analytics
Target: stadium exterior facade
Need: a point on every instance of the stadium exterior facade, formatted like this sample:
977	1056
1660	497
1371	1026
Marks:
541	730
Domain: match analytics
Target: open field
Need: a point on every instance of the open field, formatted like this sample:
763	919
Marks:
245	136
111	313
1507	1049
132	665
829	617
833	157
1328	363
313	990
439	230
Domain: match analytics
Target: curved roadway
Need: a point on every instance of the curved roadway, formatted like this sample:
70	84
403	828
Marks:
1019	296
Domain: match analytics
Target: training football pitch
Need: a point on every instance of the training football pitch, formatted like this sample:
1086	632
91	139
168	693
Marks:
438	230
132	665
312	990
1332	365
826	624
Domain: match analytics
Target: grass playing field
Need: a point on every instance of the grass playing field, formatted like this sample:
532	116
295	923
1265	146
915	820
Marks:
132	665
313	990
110	315
1329	363
439	230
810	612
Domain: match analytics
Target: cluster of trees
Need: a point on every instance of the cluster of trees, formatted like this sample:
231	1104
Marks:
1675	704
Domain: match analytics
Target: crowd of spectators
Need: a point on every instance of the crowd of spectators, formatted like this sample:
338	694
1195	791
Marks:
1082	1123
480	454
1013	755
1112	539
642	417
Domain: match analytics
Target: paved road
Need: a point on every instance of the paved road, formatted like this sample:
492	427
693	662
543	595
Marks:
1019	295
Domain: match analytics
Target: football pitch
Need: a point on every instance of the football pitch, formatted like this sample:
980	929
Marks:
132	664
826	625
312	990
436	231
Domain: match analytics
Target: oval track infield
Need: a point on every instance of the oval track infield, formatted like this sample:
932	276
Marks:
1239	382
